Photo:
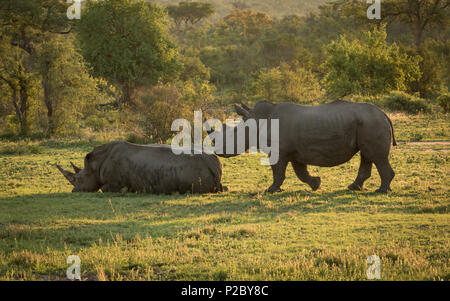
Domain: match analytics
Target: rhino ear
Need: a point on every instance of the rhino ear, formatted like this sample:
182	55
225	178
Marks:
77	169
68	175
245	106
241	111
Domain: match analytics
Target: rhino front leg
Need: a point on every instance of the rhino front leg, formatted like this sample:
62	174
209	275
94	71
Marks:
302	173
279	174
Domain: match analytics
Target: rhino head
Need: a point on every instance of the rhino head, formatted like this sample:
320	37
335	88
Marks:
83	180
260	111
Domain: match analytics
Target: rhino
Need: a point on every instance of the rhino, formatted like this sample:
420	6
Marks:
122	166
324	135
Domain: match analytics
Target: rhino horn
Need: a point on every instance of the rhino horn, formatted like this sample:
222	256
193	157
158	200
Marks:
68	175
77	169
241	111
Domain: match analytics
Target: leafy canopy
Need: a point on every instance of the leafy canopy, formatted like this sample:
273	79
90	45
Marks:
190	12
369	66
125	42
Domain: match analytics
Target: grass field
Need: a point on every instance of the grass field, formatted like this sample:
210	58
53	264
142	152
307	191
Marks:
242	234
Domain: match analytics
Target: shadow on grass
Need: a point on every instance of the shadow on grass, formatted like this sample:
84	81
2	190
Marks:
81	219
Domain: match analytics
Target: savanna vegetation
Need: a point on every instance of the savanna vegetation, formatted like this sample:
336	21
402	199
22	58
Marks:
127	68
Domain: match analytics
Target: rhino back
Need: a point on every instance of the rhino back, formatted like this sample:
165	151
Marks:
326	135
155	169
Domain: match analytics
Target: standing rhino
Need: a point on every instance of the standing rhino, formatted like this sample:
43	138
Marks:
118	165
324	135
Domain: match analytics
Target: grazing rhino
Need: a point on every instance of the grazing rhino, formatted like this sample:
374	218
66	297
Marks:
324	135
116	166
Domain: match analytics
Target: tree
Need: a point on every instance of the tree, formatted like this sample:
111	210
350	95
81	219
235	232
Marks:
190	12
21	83
421	14
67	86
26	24
125	42
247	23
368	66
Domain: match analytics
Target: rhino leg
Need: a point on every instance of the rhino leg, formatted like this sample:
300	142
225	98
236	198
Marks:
386	174
279	174
302	173
365	171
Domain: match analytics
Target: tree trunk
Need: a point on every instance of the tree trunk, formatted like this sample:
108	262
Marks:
128	96
21	106
418	34
51	127
20	103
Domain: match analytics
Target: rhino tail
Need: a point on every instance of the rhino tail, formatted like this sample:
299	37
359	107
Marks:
394	143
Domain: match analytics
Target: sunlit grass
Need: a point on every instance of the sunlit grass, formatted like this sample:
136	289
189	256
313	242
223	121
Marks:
242	234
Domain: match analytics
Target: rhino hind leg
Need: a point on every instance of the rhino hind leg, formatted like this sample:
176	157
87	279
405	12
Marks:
386	174
302	173
364	172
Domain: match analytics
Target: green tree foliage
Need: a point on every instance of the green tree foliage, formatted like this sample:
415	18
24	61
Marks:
69	93
403	102
419	14
126	43
234	47
19	81
190	12
24	25
274	8
284	83
368	67
27	22
156	108
444	102
332	20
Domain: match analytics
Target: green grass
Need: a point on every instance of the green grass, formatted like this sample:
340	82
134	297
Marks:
421	127
242	234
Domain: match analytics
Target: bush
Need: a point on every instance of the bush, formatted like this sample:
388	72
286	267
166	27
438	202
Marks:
370	66
284	83
376	100
444	102
96	123
137	139
401	101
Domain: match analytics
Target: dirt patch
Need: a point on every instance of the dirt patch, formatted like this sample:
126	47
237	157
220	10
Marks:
428	146
427	143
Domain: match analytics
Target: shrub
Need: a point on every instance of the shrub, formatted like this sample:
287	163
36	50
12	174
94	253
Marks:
369	66
137	139
284	83
376	100
444	102
401	101
96	123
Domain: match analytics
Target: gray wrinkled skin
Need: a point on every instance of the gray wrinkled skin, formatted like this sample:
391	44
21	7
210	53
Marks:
122	166
327	135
